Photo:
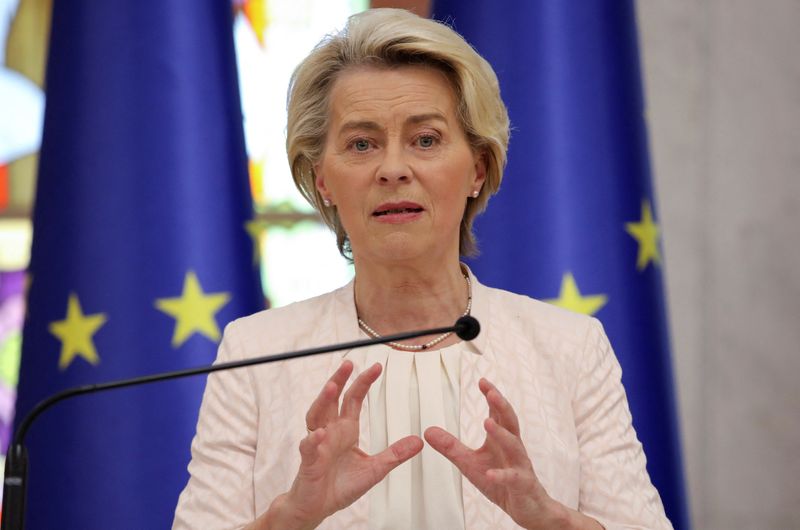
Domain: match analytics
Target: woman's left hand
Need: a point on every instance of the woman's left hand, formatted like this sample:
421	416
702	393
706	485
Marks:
501	469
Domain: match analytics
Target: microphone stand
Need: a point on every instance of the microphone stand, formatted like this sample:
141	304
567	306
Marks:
16	470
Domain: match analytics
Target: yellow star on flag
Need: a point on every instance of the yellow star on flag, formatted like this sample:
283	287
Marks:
75	333
570	298
646	232
193	311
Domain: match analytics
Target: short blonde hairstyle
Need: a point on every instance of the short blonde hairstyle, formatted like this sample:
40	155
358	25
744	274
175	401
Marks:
390	38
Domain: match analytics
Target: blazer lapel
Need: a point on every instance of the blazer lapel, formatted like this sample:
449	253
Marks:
345	327
479	512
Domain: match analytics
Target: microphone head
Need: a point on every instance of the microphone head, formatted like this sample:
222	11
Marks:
467	327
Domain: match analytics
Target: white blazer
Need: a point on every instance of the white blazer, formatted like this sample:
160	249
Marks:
556	368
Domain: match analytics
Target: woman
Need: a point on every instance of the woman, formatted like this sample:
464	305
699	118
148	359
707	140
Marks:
398	136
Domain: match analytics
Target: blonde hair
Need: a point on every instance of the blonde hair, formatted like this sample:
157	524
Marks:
393	38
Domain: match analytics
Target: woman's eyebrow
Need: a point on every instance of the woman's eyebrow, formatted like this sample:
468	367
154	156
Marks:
360	125
428	116
369	125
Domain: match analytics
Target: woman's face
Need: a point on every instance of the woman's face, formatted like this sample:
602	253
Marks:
397	164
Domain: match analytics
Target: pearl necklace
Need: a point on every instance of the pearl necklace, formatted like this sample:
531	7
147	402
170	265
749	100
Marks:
419	347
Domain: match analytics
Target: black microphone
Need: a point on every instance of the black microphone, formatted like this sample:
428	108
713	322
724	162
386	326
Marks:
467	327
16	470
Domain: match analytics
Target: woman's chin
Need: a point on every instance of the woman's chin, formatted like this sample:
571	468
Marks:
400	246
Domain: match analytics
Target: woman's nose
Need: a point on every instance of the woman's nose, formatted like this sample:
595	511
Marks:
394	167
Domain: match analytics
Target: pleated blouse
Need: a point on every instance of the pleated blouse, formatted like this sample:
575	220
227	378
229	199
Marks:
416	390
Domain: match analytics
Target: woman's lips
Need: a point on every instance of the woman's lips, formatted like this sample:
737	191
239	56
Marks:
397	212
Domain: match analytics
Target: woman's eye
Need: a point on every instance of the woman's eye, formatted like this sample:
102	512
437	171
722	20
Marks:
426	141
361	145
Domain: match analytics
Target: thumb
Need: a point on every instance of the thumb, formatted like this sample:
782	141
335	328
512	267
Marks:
397	453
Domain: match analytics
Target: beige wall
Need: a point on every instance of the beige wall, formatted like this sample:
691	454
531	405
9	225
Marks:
722	81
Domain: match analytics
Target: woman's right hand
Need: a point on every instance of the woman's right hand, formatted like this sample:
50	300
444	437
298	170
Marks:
334	472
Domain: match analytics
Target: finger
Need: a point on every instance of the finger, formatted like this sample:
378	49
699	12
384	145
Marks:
485	386
354	397
500	410
395	454
450	446
325	407
511	447
309	446
511	478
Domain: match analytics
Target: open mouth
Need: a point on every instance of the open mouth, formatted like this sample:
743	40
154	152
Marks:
391	211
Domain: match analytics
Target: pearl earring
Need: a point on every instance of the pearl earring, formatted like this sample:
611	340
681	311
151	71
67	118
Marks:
475	194
326	202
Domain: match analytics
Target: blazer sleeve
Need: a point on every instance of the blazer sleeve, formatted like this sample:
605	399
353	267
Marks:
615	487
220	492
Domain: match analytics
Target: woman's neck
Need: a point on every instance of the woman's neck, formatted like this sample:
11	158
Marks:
396	298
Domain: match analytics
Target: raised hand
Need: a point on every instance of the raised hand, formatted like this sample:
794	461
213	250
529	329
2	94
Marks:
334	472
500	468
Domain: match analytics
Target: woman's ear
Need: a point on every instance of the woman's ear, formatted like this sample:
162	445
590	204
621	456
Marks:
480	170
319	181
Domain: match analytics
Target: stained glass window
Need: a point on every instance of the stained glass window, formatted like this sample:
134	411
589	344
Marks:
298	253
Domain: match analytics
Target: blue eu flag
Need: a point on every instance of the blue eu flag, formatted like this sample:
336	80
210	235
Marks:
575	221
140	253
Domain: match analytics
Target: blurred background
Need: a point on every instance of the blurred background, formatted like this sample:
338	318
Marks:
722	98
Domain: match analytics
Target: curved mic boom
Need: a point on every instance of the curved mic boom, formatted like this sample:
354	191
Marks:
16	470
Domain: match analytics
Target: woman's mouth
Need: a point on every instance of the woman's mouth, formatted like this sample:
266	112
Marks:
398	212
